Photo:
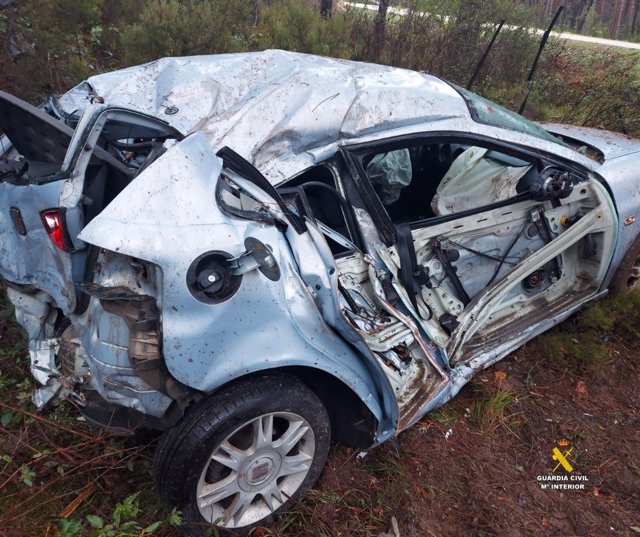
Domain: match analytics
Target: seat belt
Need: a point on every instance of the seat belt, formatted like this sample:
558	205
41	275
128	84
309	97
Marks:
411	275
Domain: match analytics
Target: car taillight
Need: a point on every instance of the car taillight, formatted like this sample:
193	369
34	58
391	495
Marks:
53	220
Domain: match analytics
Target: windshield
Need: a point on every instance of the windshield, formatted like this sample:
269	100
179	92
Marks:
487	112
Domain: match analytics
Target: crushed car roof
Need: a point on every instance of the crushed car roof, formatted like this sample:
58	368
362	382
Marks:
274	106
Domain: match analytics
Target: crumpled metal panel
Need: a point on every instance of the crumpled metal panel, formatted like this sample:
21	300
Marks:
623	177
22	260
35	315
612	144
168	216
621	171
105	337
271	106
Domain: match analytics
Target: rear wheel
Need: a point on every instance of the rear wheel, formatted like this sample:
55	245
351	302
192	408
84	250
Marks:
628	274
244	454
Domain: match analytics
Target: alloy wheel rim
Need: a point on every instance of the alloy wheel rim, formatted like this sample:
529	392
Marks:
255	469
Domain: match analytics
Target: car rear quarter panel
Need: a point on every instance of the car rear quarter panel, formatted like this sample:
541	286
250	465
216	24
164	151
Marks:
169	216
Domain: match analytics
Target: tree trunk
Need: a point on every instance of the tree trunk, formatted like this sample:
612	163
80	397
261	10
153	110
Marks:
379	29
325	8
585	14
634	18
618	22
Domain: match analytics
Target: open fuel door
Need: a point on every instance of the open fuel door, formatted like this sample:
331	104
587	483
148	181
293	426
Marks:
54	179
490	247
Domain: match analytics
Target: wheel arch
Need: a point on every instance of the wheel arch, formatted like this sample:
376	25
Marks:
621	279
353	421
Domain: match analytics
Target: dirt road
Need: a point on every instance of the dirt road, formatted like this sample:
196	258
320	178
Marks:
560	35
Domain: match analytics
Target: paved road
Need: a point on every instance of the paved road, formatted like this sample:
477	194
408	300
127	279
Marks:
560	35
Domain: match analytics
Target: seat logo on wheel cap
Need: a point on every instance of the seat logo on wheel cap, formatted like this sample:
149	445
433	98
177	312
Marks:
259	471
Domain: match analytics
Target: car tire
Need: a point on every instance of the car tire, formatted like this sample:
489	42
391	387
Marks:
243	454
628	274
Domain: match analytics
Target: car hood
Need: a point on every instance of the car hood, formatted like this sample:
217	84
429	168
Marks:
611	144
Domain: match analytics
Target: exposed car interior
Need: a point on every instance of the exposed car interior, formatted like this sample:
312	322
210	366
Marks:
314	194
469	218
426	181
38	143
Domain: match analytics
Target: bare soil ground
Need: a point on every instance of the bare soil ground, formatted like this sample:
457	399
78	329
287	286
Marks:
469	468
461	472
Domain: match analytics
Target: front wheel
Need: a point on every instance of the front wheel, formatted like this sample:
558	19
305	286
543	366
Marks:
243	454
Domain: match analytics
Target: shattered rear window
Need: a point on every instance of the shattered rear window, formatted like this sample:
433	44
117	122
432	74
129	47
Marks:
489	113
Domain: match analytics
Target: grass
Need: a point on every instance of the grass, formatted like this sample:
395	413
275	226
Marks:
57	475
492	410
580	344
590	86
446	415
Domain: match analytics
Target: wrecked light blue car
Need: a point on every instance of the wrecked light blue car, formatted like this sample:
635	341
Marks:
258	253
